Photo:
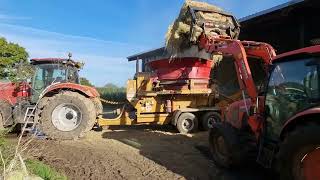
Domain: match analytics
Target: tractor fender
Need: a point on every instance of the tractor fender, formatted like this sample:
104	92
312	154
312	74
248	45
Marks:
176	114
85	90
309	115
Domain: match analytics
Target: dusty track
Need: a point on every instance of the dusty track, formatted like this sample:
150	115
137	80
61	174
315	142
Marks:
137	153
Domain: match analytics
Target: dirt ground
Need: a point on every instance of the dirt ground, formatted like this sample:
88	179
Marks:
141	152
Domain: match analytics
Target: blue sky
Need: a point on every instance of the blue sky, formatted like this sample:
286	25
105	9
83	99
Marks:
101	33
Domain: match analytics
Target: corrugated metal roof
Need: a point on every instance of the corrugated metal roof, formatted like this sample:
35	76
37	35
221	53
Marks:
267	11
151	53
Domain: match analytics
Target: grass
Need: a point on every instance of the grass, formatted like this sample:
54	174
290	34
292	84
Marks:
34	167
7	150
44	171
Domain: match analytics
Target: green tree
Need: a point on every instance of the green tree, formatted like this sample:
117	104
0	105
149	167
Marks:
110	86
85	81
11	55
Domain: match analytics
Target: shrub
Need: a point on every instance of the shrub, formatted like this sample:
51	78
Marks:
112	92
44	171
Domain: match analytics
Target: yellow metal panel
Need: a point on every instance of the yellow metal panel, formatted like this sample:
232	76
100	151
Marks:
131	90
142	119
191	101
154	118
186	92
150	105
123	120
144	82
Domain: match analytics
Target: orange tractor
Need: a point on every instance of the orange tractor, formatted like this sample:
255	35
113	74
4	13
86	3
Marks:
277	121
54	101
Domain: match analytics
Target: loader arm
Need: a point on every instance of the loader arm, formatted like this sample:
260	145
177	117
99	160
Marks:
241	50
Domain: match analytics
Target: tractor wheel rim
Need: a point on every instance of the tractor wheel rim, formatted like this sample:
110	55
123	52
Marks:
66	117
211	122
310	165
187	124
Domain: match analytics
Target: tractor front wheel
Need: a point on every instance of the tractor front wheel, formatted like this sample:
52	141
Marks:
299	155
67	115
221	138
231	147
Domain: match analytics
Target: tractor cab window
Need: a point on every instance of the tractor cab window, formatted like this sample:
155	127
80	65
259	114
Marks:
47	74
293	87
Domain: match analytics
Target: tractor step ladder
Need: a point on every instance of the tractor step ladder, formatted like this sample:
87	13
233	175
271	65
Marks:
29	114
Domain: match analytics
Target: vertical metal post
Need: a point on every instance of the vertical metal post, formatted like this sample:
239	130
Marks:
136	76
137	66
143	62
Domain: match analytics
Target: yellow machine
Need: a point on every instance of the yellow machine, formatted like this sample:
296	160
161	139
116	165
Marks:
187	108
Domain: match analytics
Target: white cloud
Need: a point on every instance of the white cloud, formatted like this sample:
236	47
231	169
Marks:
105	61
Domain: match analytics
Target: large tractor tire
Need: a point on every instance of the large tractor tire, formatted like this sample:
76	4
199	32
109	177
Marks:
230	147
98	105
66	116
209	119
6	114
299	154
187	123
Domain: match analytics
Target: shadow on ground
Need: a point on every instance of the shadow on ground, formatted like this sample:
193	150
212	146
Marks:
187	156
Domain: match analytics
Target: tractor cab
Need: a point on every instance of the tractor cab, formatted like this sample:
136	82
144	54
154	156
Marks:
293	87
49	71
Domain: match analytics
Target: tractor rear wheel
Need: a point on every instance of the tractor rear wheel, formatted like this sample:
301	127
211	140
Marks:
187	123
208	119
99	107
67	115
299	154
6	114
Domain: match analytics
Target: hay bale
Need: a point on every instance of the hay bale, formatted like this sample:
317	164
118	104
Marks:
180	35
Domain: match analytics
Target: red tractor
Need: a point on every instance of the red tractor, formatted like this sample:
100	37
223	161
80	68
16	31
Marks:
54	101
277	122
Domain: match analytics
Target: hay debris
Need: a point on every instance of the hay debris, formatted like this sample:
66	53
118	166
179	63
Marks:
180	35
